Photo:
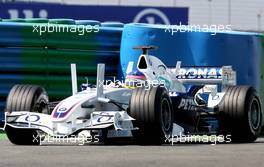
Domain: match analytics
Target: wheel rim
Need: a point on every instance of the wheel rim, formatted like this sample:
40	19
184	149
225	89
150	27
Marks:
166	114
254	114
41	107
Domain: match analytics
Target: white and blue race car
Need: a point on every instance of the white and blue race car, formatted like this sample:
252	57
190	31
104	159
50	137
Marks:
153	104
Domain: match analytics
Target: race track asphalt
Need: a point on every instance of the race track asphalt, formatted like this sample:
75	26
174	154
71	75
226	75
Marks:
179	155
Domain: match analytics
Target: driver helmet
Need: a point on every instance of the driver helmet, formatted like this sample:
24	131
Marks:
135	79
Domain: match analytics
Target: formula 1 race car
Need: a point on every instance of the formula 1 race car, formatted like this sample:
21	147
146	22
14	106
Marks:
155	103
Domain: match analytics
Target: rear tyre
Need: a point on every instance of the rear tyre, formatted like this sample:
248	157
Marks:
27	98
153	114
240	114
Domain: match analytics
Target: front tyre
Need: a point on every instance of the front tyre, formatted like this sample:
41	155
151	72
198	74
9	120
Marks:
27	98
30	98
153	114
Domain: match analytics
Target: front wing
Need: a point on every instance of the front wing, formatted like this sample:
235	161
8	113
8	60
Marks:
120	120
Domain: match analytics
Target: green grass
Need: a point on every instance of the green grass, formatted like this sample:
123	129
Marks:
3	136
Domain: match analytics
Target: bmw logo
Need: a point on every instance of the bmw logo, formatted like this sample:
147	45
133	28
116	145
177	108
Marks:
63	109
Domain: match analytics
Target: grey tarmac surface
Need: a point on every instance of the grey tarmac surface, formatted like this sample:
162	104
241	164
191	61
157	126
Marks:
181	155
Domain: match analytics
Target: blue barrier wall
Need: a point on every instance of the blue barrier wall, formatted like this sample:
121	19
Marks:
240	49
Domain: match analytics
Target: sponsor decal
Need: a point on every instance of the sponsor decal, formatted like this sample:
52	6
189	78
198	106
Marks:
104	118
62	112
32	118
200	73
187	104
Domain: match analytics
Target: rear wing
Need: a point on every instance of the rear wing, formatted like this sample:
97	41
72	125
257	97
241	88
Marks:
205	75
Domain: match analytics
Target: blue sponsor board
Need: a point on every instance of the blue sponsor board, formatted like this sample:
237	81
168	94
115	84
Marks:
125	14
